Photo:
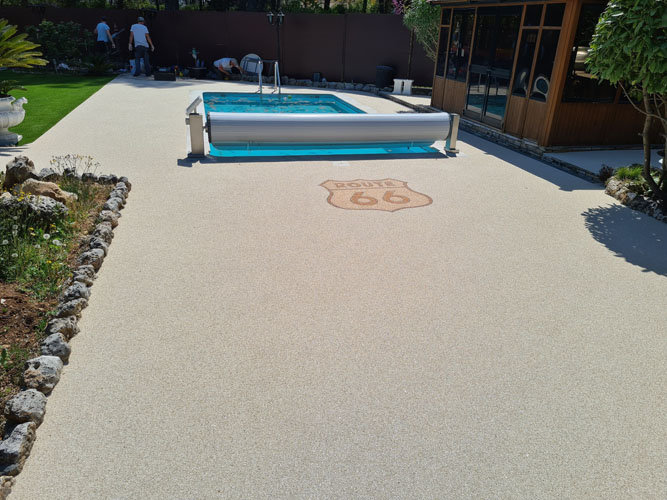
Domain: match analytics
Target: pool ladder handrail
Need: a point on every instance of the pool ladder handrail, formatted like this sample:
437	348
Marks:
276	78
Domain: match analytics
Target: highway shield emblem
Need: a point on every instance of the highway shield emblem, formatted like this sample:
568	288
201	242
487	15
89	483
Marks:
386	194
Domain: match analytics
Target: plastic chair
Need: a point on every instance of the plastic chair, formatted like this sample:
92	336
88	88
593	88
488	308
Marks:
251	64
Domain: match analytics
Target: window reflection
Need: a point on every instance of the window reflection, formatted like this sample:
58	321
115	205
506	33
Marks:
544	64
580	85
442	52
459	47
524	62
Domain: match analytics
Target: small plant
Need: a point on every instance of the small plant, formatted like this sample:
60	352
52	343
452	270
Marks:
631	173
12	361
71	167
98	65
605	173
6	86
77	164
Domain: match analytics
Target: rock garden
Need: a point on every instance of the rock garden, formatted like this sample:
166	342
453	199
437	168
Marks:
628	185
56	225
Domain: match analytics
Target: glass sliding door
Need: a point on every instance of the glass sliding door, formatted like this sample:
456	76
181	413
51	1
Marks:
492	57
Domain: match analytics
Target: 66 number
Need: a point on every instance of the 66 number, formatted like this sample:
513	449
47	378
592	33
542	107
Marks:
358	198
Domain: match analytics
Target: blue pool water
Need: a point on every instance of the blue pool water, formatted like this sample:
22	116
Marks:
237	102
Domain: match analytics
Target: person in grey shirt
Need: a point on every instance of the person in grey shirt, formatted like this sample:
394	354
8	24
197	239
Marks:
142	40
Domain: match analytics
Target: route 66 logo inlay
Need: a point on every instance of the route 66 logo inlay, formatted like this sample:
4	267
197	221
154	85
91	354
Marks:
388	195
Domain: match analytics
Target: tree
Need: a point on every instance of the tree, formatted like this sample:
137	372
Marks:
423	18
629	48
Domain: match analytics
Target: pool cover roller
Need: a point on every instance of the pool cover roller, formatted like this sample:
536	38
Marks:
276	128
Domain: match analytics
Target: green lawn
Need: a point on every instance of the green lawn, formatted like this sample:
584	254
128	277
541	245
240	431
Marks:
50	98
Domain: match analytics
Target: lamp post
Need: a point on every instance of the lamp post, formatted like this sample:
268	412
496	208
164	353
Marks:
276	19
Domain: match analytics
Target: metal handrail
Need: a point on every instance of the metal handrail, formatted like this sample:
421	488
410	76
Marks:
276	78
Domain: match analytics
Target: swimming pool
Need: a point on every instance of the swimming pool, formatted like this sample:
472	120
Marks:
238	102
285	104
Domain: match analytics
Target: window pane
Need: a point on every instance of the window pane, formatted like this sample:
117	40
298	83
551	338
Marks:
442	52
581	86
446	14
544	64
459	47
524	62
533	15
554	15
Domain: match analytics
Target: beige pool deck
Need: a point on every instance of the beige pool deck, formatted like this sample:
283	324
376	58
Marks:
245	339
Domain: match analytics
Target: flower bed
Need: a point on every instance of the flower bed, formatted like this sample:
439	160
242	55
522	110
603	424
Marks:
50	252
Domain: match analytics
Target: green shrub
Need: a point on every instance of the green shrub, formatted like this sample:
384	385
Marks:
62	42
631	173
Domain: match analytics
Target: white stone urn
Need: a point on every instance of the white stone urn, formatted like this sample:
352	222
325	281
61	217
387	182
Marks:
11	114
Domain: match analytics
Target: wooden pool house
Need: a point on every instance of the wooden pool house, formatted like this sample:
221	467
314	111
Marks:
518	68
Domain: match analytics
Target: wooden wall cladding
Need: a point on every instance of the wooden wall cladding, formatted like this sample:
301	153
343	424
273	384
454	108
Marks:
455	96
438	92
536	116
514	115
577	124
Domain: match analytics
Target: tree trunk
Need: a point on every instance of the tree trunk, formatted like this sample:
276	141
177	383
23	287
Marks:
171	5
658	194
327	4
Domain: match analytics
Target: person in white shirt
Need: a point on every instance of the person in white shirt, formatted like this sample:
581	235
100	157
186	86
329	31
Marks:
141	39
103	36
226	65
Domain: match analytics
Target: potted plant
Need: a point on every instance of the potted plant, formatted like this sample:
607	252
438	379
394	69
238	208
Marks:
15	52
11	112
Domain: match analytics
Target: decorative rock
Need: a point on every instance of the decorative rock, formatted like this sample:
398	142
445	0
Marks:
6	483
359	86
55	345
119	193
26	406
49	189
113	204
122	187
67	326
99	243
331	85
49	175
107	179
71	308
75	291
71	173
17	171
94	257
79	277
125	181
340	86
349	86
88	177
16	446
45	208
104	231
109	216
42	373
118	196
